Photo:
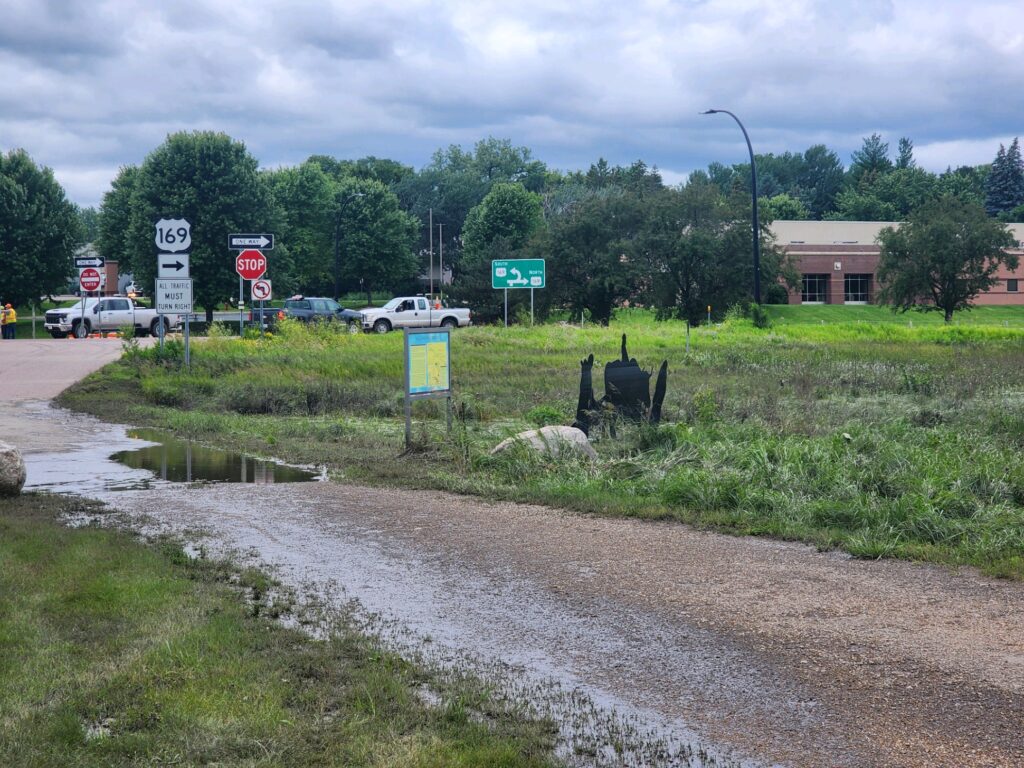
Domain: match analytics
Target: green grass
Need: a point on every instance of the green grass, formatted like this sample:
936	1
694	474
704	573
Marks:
114	653
1012	316
878	438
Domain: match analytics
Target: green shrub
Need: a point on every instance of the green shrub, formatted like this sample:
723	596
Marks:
544	415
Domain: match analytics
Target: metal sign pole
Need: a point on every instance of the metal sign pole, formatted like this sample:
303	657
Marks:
188	359
408	394
506	307
531	306
240	300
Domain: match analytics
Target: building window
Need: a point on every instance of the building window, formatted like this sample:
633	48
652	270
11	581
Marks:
1011	286
856	289
815	289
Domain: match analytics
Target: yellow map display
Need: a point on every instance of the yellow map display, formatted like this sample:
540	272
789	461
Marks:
428	364
437	365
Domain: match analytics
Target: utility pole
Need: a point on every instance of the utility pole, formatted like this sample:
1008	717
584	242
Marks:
440	245
431	273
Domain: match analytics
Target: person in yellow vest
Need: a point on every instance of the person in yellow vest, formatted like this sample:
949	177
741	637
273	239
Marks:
10	320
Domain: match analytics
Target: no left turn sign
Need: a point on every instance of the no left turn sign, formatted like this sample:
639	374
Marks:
261	290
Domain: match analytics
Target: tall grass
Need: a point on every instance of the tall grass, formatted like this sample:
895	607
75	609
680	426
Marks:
879	438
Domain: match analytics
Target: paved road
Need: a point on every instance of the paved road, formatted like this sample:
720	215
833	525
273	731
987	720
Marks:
771	650
34	371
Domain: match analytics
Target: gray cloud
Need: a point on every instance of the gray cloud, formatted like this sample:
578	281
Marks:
86	88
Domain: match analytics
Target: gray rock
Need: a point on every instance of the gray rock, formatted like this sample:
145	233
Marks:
550	440
12	470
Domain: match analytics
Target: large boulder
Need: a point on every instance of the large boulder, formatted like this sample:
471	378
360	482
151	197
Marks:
12	470
550	440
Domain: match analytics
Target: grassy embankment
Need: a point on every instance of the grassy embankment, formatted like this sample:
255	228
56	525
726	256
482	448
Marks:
879	438
113	653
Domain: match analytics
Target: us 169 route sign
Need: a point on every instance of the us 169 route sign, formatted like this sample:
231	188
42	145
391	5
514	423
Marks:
517	273
173	235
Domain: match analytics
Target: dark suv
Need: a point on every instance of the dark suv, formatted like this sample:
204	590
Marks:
310	309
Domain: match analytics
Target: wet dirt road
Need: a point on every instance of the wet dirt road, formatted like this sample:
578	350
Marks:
784	654
768	650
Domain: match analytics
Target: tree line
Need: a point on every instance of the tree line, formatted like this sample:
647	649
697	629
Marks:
611	235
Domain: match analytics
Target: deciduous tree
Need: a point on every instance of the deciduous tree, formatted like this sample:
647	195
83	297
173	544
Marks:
39	230
377	238
115	218
946	254
499	226
212	181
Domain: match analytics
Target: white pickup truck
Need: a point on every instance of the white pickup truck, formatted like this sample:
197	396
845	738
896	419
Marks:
413	312
111	313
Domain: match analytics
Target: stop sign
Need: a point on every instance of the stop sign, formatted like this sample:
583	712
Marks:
251	264
89	279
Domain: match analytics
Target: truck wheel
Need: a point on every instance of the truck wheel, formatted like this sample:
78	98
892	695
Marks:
58	334
80	329
382	326
449	322
353	328
154	327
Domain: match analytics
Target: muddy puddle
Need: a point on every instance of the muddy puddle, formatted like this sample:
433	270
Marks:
183	461
88	457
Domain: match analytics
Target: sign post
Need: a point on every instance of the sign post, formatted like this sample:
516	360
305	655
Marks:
260	291
243	242
518	273
173	241
250	264
428	365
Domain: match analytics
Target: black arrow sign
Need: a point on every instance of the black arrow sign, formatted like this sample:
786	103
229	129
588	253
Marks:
177	266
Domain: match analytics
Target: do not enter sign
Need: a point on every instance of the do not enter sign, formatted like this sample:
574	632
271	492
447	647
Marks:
89	279
251	264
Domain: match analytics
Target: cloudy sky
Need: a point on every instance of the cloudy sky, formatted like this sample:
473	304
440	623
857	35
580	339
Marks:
86	87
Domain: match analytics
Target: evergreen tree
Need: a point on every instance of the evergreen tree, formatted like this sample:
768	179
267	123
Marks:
905	154
1004	188
870	162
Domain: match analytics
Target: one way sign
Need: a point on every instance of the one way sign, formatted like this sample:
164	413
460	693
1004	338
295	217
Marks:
172	265
262	242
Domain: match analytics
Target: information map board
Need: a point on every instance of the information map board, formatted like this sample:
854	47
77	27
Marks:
428	370
428	362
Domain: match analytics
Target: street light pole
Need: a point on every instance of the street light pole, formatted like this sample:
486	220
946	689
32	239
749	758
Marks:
337	244
753	197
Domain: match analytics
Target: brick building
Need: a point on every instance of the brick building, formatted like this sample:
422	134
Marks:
838	262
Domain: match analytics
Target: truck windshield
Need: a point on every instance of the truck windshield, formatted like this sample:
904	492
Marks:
393	303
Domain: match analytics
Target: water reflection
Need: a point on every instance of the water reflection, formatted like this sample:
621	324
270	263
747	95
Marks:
181	461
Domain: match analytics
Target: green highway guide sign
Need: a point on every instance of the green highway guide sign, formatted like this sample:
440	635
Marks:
517	273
